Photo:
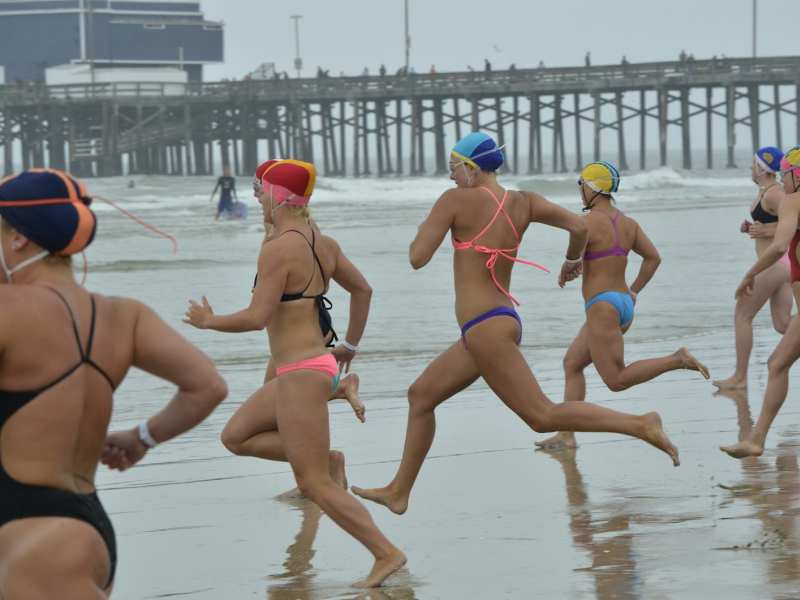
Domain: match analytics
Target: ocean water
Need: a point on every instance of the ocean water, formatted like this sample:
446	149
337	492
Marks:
194	521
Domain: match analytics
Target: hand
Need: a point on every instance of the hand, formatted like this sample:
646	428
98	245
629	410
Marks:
123	449
745	288
570	272
210	199
745	228
343	356
199	316
757	230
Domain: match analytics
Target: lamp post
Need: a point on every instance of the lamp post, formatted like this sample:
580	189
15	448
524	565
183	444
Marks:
755	17
298	62
408	37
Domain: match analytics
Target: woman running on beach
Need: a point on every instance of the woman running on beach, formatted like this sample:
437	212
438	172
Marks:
63	352
486	221
773	283
786	353
609	301
344	353
287	419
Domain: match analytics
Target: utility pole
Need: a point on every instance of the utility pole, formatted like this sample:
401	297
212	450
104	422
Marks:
755	18
298	62
408	37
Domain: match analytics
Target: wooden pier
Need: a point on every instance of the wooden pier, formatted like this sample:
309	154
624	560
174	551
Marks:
383	126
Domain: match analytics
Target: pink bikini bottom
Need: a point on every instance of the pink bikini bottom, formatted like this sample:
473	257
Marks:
325	364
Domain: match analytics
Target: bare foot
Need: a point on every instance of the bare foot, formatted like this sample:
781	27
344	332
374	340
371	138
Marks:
382	569
394	502
654	435
348	390
687	361
743	449
563	439
335	468
732	383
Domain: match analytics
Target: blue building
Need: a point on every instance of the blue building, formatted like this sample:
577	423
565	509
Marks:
37	34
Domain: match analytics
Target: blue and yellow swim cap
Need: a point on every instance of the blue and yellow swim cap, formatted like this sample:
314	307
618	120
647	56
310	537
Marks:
479	150
769	158
601	177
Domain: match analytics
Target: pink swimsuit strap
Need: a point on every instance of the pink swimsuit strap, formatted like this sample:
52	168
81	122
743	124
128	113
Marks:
615	250
325	363
494	253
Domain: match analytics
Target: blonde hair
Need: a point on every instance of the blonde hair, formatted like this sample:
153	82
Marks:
295	211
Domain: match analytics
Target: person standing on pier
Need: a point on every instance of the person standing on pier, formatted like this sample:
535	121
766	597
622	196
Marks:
609	300
226	186
487	221
588	59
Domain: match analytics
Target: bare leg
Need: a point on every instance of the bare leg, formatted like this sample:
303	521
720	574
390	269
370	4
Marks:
766	285
608	353
53	557
451	372
576	360
780	305
253	431
785	355
303	423
493	347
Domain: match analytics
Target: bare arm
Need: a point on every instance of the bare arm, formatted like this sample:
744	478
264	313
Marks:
351	279
272	276
431	232
216	187
548	213
163	352
651	259
788	217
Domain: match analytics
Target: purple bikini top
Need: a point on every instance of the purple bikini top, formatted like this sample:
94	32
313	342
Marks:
615	250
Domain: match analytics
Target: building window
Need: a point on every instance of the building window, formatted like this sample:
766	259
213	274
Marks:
212	27
155	26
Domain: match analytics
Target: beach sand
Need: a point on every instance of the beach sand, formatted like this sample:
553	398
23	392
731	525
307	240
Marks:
490	516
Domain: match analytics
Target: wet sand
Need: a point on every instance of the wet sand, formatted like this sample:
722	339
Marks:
490	516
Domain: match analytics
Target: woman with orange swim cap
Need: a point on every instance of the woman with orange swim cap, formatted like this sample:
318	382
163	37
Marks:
63	352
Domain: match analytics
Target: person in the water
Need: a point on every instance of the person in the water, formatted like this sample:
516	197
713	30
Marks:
227	191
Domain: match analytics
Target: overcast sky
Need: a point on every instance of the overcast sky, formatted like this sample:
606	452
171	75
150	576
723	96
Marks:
349	35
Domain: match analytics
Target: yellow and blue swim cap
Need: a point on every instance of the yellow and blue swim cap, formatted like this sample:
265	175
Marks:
602	177
769	159
479	150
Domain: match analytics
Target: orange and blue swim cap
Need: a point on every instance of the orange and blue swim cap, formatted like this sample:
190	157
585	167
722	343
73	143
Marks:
602	177
49	207
479	150
290	181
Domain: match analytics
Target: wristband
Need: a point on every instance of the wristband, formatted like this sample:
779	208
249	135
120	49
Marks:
144	435
350	347
632	293
572	261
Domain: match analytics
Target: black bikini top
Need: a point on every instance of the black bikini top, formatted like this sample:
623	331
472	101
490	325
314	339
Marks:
301	295
760	214
11	402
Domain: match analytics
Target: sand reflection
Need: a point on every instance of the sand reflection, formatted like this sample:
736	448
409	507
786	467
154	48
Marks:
299	579
771	484
607	540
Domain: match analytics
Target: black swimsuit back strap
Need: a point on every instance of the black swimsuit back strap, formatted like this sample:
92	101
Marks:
312	244
85	355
